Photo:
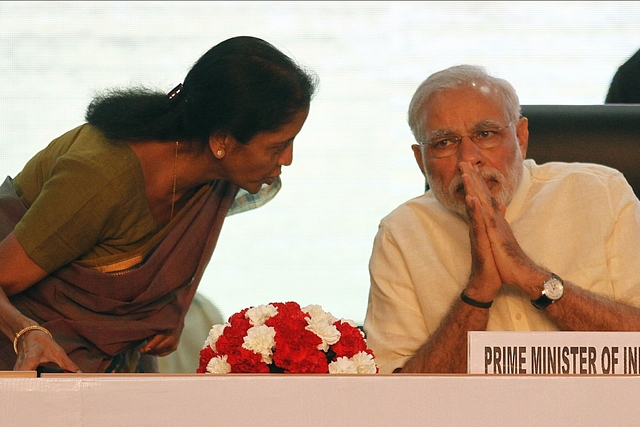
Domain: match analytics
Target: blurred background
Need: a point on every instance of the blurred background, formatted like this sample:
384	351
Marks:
352	161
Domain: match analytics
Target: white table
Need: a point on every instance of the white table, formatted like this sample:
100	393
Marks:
319	400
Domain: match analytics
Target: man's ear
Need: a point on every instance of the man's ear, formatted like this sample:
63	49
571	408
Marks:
417	153
522	133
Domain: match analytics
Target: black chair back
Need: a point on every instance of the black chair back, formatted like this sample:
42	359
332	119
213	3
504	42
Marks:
604	134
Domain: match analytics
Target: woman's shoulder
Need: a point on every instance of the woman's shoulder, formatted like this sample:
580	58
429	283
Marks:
91	144
85	161
84	143
86	151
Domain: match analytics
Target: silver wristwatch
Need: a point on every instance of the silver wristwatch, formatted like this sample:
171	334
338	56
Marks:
552	290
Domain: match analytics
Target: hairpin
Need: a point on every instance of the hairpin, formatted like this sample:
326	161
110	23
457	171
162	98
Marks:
175	91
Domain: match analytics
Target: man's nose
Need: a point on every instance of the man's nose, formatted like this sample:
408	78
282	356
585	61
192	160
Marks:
469	151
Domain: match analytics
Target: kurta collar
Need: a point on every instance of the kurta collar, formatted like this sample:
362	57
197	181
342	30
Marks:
514	209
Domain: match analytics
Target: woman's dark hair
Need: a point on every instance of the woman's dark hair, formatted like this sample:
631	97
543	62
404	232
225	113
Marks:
242	86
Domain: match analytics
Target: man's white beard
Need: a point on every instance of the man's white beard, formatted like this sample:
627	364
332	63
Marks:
452	197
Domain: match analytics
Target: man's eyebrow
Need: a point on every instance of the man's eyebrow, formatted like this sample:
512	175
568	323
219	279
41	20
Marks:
440	133
485	124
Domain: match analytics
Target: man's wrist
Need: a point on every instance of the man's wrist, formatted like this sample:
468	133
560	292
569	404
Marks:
534	282
475	303
552	291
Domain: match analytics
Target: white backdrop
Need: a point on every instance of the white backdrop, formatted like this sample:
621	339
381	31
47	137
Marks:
352	160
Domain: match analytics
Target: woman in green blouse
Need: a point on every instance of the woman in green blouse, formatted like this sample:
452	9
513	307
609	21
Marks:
107	230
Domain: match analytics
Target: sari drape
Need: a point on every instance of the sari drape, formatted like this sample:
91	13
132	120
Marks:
96	316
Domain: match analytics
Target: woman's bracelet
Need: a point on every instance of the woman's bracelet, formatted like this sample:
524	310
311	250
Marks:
475	303
25	330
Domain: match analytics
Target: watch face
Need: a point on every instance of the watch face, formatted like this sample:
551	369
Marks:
553	289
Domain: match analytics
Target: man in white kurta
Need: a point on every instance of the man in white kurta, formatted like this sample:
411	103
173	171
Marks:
579	221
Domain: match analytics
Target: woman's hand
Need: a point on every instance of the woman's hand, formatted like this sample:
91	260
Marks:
36	348
162	344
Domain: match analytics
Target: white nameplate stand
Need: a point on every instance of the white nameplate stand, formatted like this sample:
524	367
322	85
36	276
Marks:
554	353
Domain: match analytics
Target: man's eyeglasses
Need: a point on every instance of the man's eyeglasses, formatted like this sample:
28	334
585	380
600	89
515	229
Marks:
448	145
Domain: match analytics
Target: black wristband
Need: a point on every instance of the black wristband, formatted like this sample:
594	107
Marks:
475	303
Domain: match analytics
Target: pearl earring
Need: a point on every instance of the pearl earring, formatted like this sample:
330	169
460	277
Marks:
219	154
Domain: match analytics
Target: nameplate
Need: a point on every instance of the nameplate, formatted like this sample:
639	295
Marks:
554	353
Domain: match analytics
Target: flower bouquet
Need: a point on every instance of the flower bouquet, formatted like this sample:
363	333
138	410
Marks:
284	338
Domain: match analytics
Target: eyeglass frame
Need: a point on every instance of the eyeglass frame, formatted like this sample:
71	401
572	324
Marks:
458	139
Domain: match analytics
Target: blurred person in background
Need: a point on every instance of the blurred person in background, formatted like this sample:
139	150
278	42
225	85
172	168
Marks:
202	315
625	85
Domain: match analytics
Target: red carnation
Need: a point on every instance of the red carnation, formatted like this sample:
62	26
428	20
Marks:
206	354
351	340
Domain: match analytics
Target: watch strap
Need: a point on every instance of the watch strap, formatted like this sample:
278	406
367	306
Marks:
542	302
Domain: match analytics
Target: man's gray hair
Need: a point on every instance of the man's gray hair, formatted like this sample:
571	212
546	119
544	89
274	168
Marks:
452	78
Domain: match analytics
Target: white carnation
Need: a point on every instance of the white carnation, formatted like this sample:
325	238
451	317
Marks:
261	340
260	314
318	314
343	365
214	334
321	323
327	332
364	363
218	365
